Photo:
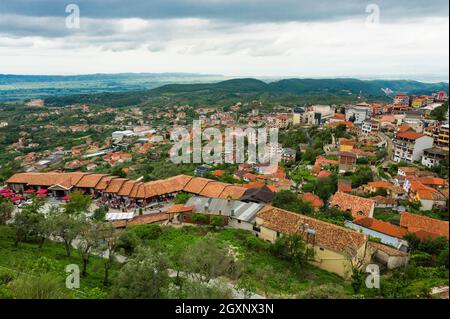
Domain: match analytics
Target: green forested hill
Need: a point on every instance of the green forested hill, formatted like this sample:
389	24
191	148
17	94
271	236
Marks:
317	90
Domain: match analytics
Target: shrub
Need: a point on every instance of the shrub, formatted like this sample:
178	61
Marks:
421	259
199	218
146	232
128	241
256	244
217	221
41	287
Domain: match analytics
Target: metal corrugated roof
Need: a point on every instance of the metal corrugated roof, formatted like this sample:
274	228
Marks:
241	210
119	216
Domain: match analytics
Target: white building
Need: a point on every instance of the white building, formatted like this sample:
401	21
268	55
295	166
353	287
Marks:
433	156
359	113
121	134
369	126
409	146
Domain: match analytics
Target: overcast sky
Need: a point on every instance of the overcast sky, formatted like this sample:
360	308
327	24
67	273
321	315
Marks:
290	38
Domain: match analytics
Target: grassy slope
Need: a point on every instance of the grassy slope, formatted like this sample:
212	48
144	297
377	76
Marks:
285	278
25	258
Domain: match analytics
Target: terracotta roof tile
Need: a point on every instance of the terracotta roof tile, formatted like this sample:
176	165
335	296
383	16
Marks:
314	200
327	235
126	188
232	192
381	226
148	219
415	223
180	208
380	184
388	250
410	135
355	204
47	179
104	182
115	185
196	185
213	189
90	181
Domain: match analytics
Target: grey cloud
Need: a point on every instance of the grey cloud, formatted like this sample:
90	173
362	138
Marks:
233	10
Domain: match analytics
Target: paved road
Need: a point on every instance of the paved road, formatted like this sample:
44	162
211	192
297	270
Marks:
389	148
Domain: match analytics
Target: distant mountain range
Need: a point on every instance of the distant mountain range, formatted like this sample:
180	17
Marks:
209	88
310	86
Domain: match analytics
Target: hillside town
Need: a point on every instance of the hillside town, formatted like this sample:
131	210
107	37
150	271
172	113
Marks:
356	182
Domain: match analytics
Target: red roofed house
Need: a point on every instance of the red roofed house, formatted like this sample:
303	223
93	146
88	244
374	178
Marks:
357	206
334	246
409	146
381	226
424	227
312	199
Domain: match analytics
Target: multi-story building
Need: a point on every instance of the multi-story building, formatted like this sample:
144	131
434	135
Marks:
433	156
297	113
401	99
315	114
279	120
409	146
440	96
370	126
439	133
419	101
288	155
347	161
357	114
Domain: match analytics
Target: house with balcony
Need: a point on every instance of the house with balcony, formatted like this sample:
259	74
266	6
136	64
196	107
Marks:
434	156
409	146
369	126
439	133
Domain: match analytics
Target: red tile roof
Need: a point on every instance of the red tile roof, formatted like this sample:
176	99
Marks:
410	135
417	223
381	226
314	200
327	235
358	206
323	174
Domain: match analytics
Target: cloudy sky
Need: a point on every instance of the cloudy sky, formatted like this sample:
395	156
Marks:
301	38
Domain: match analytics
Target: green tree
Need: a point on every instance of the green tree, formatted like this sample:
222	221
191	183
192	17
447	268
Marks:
292	248
6	209
144	276
208	259
440	112
288	200
66	226
27	221
182	198
88	239
325	187
108	240
78	203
